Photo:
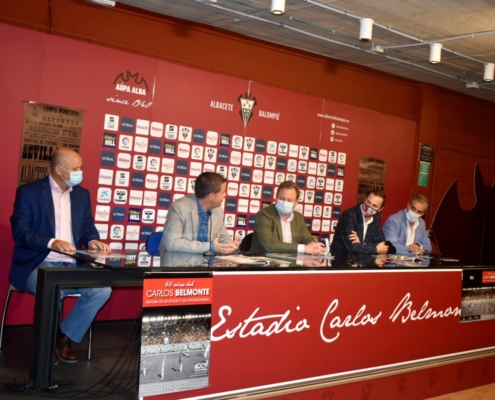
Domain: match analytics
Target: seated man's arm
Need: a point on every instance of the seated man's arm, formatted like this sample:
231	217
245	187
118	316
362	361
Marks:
23	223
424	240
348	228
264	226
176	238
89	235
391	230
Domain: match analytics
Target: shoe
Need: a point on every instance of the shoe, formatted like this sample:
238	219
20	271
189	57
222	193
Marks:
55	359
64	350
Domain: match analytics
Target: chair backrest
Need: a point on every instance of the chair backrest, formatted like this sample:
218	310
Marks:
153	241
246	242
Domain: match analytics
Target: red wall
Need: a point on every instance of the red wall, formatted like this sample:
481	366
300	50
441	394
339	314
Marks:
452	122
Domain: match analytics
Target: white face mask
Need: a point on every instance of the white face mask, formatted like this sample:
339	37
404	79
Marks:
412	216
76	177
284	207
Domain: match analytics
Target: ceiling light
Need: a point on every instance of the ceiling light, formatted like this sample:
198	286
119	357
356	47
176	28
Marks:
278	7
104	3
489	70
435	52
365	29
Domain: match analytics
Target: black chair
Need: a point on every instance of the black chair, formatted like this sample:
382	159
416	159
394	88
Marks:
246	243
153	242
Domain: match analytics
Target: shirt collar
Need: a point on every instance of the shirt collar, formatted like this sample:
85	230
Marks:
201	210
54	186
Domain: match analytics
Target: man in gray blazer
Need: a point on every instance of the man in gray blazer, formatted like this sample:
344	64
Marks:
195	223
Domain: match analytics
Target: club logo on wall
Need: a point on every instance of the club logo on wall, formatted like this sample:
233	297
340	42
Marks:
127	82
185	133
271	160
234	172
210	153
247	106
249	143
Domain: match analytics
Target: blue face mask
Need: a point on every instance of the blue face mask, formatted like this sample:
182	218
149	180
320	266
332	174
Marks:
284	207
412	216
76	177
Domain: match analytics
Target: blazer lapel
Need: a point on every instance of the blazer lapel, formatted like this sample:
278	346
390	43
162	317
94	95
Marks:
46	195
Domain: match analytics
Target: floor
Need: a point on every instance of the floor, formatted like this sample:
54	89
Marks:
480	393
112	371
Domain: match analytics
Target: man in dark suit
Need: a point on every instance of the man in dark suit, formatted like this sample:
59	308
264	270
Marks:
279	229
359	229
55	214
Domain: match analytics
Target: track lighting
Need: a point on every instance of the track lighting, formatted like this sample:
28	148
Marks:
278	7
435	52
365	29
489	70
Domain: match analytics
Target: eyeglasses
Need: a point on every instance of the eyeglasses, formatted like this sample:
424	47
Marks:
415	210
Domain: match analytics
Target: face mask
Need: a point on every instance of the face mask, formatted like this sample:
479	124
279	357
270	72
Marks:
284	207
76	177
411	216
368	211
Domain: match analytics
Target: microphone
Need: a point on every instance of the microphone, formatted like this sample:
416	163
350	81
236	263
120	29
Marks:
432	233
349	261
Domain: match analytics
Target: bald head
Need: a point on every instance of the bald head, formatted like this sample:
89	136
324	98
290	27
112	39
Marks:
64	161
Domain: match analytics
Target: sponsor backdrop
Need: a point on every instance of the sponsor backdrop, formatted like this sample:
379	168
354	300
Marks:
150	127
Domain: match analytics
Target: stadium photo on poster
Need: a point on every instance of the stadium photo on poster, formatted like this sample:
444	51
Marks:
478	304
175	349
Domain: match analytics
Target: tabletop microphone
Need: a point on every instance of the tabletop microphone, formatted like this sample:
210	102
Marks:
350	262
432	233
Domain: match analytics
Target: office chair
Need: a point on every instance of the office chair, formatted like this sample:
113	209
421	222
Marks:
153	242
5	309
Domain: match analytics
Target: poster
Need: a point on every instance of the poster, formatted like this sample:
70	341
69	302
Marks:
45	128
371	176
175	335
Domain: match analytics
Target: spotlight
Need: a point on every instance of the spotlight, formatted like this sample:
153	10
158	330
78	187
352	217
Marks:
489	70
104	3
278	7
435	52
365	29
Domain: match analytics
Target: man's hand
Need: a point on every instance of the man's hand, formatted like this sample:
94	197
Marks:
225	248
382	248
97	245
354	237
315	249
414	248
62	245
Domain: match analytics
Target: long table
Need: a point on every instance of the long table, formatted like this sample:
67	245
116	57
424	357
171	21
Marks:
328	313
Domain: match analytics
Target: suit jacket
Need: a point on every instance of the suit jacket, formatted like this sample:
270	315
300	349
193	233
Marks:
268	235
352	220
33	226
180	232
395	230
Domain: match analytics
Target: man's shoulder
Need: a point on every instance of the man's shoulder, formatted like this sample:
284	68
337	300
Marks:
398	216
267	211
351	212
35	185
185	201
